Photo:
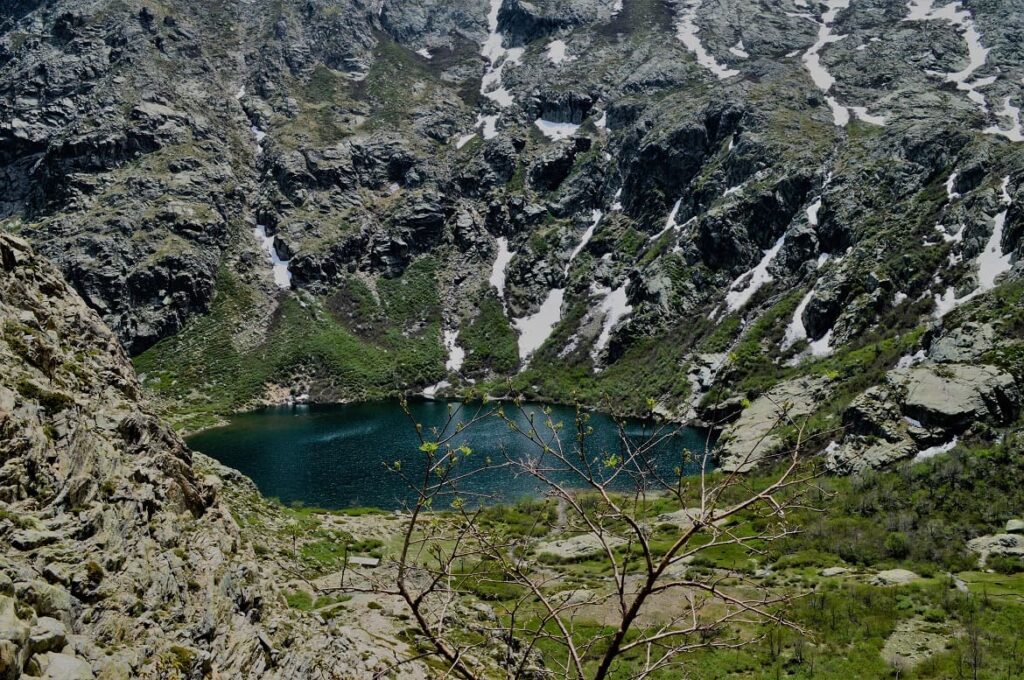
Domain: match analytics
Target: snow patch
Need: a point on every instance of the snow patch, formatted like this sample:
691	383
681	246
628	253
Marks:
282	275
796	330
431	392
936	450
977	54
812	212
505	256
686	32
992	262
1011	112
456	355
425	53
534	330
951	186
557	52
754	279
595	216
908	360
615	306
739	50
862	114
556	131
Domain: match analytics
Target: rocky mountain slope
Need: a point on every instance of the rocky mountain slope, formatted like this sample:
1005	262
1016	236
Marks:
691	202
121	558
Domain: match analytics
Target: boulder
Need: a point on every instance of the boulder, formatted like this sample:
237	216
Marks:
894	577
578	547
48	635
954	396
57	666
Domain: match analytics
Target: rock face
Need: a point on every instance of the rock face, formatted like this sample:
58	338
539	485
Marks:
110	536
720	161
921	408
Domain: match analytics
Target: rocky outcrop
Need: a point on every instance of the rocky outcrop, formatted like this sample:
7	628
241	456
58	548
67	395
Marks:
759	432
921	408
120	560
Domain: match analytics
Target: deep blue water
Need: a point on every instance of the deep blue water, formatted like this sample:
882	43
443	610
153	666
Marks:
336	456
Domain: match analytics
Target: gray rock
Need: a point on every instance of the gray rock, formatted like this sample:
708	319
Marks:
964	344
48	635
894	577
1015	526
955	395
30	539
57	666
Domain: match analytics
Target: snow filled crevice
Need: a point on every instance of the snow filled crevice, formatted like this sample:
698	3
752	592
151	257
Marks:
977	54
991	263
535	329
670	222
686	32
797	331
282	275
820	75
744	287
497	278
491	85
614	307
456	354
595	217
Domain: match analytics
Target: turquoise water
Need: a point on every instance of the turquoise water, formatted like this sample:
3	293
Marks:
337	456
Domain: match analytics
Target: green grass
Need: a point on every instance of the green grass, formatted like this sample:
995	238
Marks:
202	373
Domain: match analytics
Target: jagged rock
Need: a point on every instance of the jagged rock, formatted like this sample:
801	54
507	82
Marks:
31	539
554	166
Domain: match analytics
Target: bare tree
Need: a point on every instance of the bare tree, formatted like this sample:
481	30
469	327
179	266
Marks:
656	601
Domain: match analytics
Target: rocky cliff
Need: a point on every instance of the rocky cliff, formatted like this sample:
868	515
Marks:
120	559
644	199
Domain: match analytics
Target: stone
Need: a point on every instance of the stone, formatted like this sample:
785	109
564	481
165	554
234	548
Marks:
66	667
955	395
1014	526
964	344
30	539
834	571
894	577
48	635
14	635
578	547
